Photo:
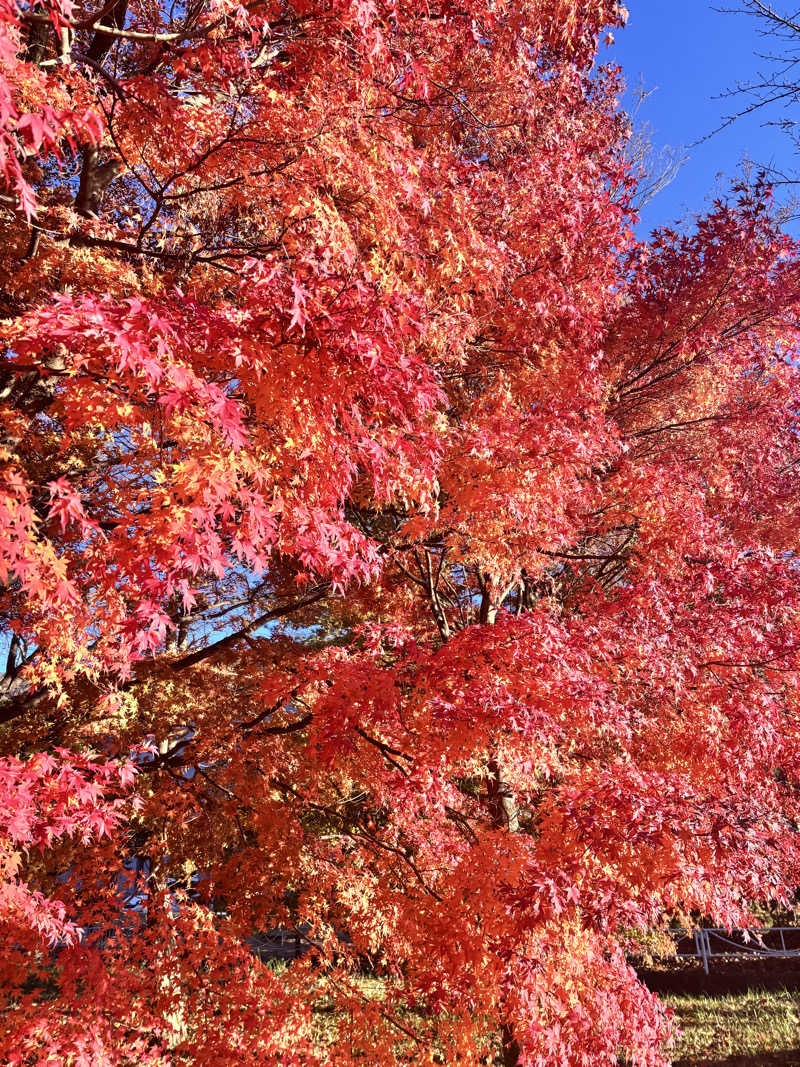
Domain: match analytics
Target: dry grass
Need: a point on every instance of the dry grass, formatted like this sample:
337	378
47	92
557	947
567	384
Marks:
757	1027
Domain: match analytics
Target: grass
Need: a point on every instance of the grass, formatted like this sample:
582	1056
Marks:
758	1027
748	1029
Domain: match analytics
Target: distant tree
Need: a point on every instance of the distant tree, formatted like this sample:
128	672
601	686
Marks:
775	90
650	169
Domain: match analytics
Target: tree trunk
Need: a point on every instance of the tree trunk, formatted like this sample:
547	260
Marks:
502	802
505	816
510	1046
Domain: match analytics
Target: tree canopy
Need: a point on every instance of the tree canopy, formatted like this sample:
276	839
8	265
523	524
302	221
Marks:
393	548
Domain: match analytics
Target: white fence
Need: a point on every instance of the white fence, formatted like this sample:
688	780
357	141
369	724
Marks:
710	943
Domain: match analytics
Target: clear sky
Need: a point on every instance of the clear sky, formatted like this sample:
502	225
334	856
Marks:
690	54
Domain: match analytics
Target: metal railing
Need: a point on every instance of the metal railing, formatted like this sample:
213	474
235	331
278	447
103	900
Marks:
711	943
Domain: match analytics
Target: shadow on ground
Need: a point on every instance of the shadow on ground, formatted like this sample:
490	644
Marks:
762	1059
687	978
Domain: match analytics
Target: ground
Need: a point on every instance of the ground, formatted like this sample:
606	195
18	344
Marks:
743	1014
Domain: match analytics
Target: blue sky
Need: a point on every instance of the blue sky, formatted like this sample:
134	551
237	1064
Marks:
690	54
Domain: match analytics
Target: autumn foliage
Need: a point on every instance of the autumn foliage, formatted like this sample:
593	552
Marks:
393	550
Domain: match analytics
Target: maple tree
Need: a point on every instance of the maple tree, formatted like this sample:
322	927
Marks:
394	550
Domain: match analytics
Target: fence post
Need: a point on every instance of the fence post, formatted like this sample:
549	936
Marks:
701	947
